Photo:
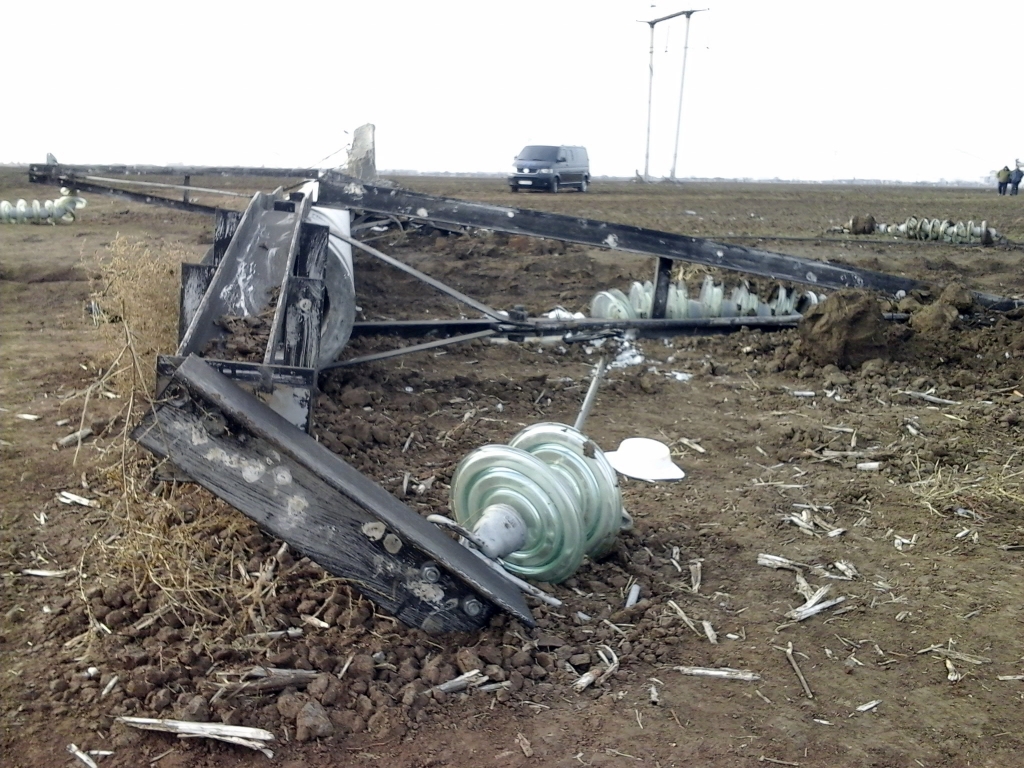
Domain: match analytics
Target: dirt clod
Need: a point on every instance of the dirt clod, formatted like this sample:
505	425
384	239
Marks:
312	722
845	330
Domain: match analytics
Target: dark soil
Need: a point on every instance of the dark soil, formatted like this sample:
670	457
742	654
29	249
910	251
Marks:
947	489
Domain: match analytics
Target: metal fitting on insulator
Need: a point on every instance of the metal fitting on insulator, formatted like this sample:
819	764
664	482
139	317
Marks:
541	503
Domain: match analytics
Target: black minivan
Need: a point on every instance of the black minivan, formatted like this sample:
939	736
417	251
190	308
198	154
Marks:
551	168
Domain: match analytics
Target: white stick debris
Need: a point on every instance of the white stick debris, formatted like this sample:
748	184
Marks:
65	497
846	568
869	706
710	632
633	596
74	750
292	633
776	562
782	563
695	575
73	439
46	574
682	615
692	445
461	682
809	609
109	686
724	672
253	738
597	675
952	675
969	658
928	397
901	543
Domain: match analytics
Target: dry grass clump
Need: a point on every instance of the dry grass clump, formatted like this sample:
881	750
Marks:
183	543
138	294
997	491
177	541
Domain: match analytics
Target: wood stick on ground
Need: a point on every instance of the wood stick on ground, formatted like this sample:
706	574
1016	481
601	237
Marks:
265	680
969	658
726	673
75	438
44	574
686	619
347	664
710	632
253	738
161	756
799	674
695	575
929	398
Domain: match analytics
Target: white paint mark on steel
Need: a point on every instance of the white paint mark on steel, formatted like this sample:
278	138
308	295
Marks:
422	213
252	469
611	241
282	476
198	435
430	593
811	277
297	505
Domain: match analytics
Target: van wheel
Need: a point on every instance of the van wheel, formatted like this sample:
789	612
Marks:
583	185
554	185
514	188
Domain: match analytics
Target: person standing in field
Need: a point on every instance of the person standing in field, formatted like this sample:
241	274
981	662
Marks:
1003	179
1016	175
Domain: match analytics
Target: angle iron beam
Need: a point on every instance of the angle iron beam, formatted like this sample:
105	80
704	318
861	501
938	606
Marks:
544	327
312	260
662	279
338	190
410	349
252	266
195	280
224	225
303	311
124	194
41	171
418	328
299	208
238	448
431	281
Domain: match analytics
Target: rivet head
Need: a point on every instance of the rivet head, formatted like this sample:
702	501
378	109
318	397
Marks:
374	531
430	573
392	544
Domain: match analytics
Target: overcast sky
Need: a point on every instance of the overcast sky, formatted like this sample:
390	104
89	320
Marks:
794	89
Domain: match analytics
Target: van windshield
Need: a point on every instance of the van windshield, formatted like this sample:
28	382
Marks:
538	153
